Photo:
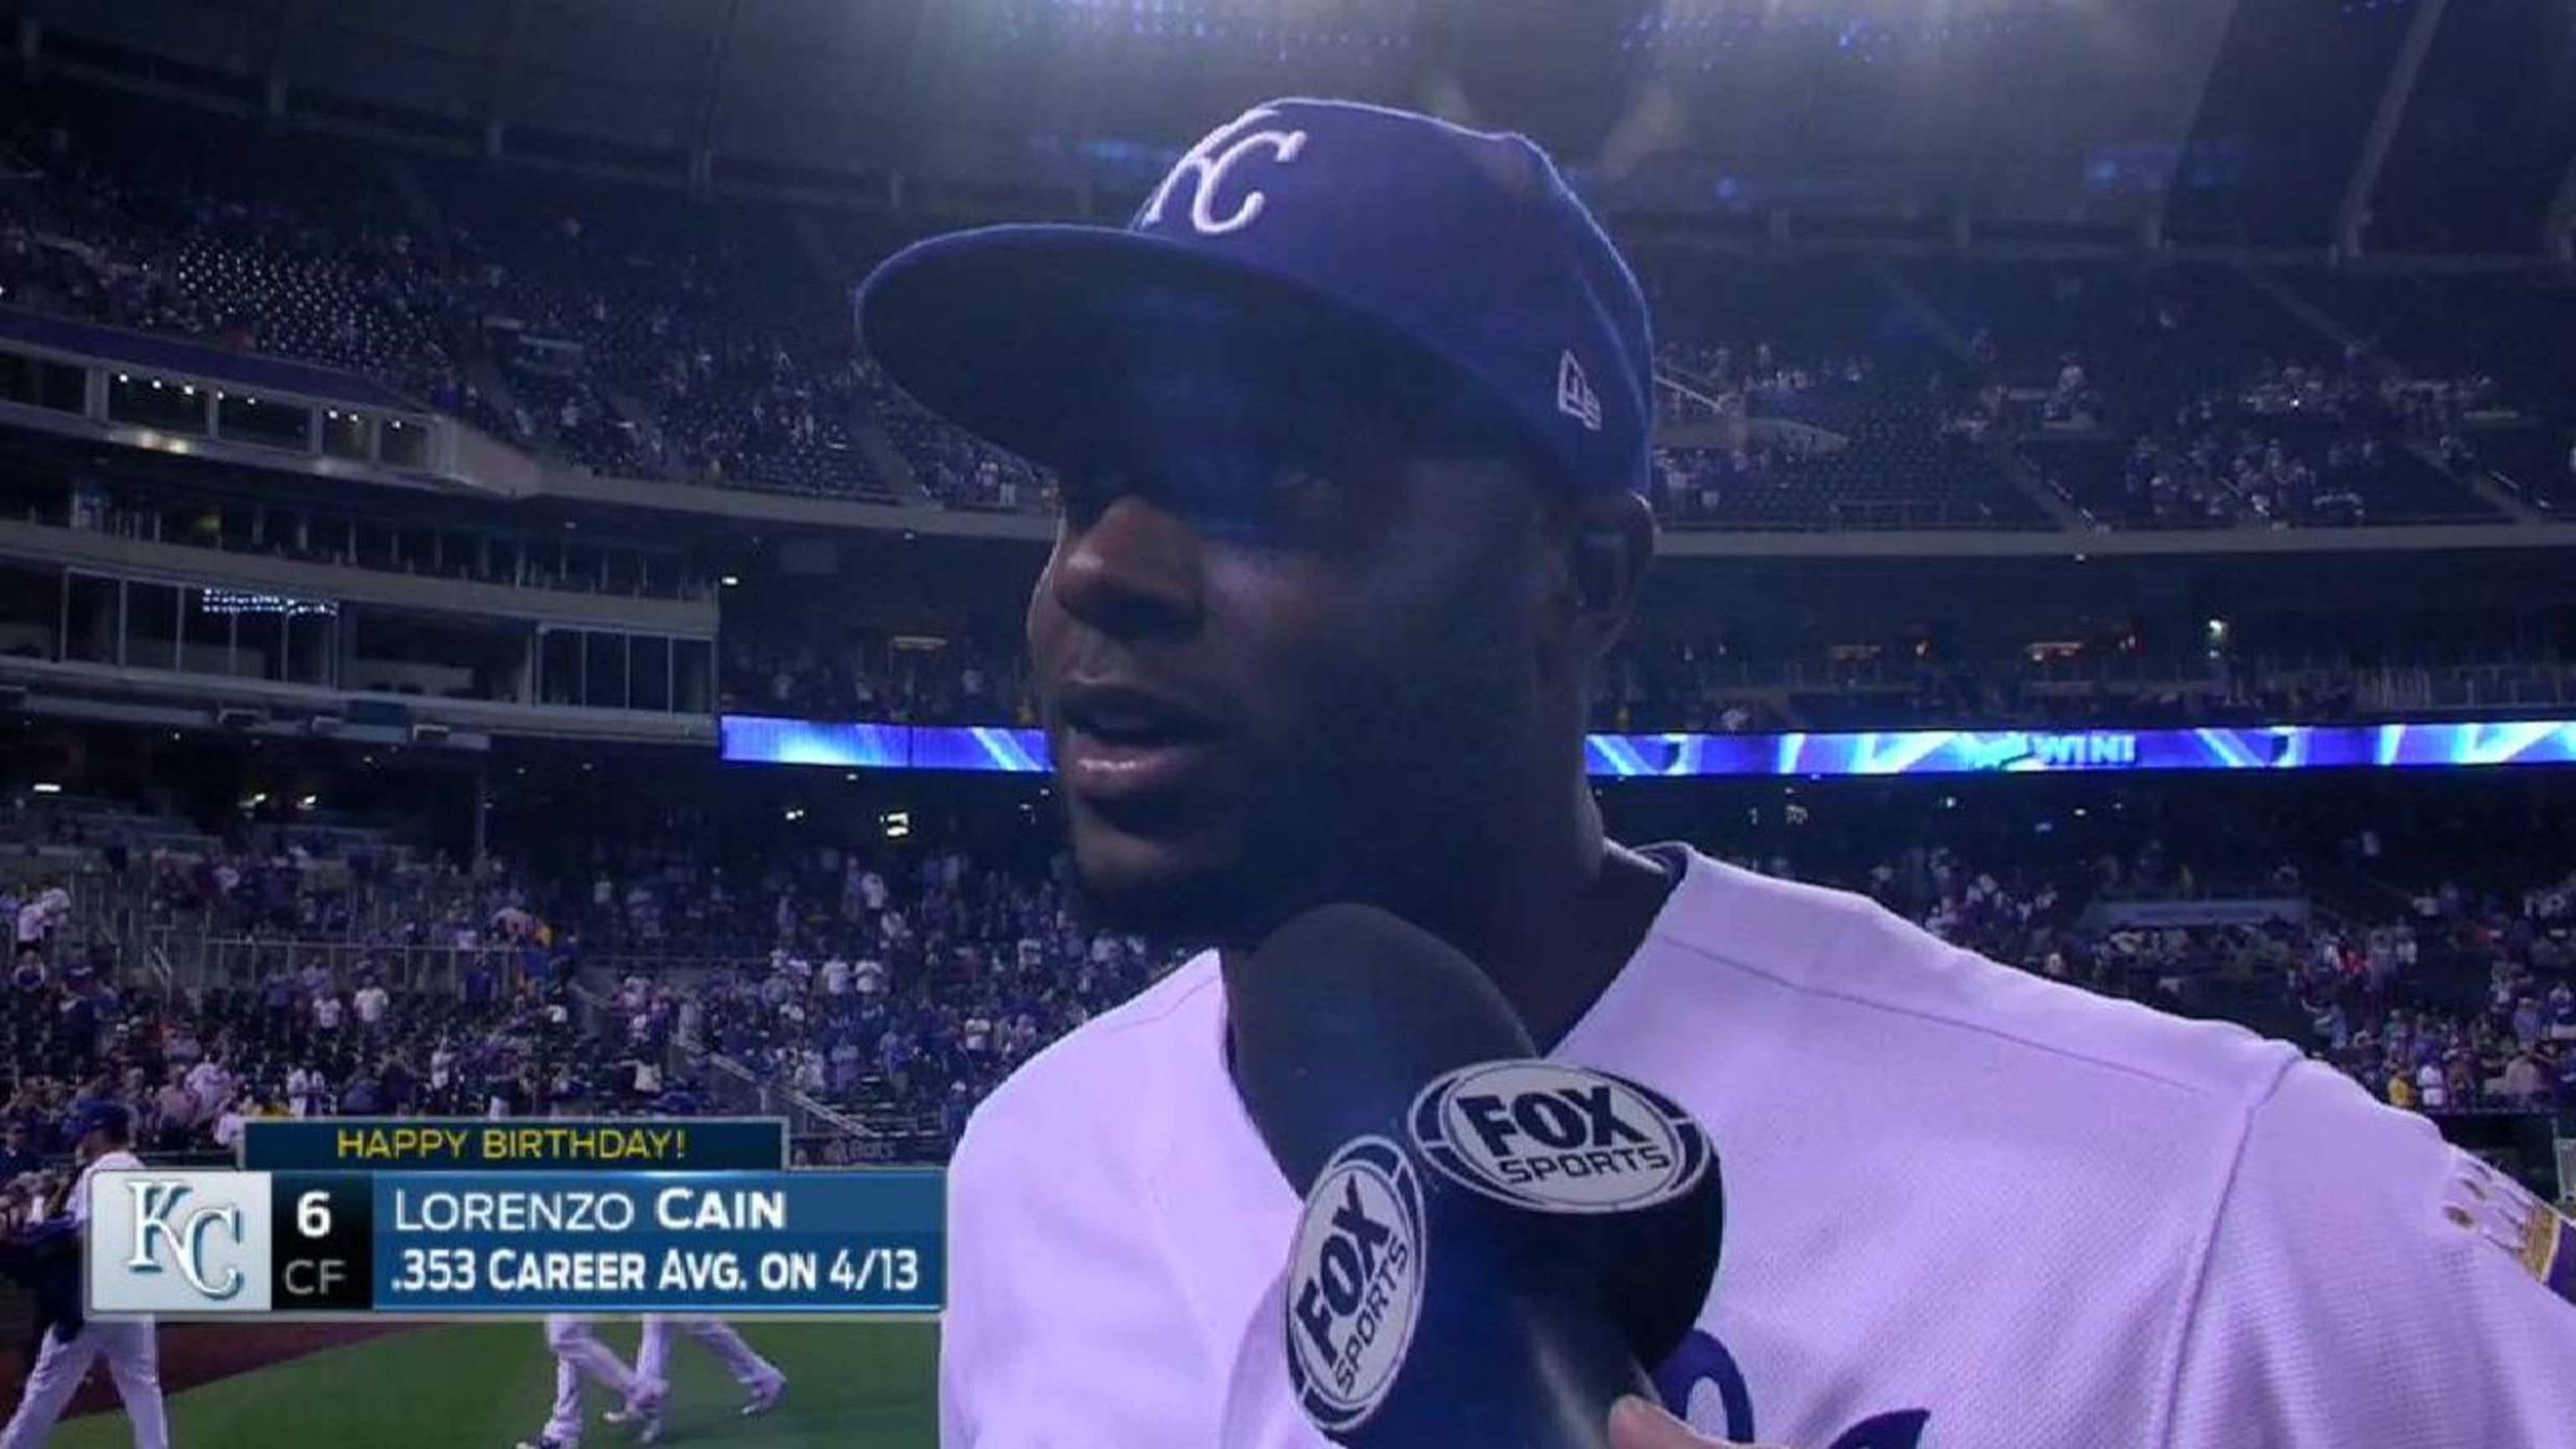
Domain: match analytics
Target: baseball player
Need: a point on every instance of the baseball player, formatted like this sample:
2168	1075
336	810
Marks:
759	1378
103	1136
1350	424
579	1355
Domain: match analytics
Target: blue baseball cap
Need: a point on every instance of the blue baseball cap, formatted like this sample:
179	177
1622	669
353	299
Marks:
1462	251
108	1117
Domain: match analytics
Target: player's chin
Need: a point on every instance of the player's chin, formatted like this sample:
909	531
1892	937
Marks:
1171	883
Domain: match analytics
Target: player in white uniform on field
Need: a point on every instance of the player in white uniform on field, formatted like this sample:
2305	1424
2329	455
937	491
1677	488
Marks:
103	1135
573	1339
1349	429
760	1379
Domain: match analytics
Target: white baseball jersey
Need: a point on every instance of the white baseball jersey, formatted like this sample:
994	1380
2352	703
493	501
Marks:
130	1348
115	1159
1966	1209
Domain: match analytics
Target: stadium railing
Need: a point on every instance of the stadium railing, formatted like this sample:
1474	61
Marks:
827	1135
191	962
822	1135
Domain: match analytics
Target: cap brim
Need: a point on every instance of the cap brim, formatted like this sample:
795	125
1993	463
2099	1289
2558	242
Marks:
1015	333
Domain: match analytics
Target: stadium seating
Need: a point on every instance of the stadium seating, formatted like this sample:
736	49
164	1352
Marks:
633	331
2536	462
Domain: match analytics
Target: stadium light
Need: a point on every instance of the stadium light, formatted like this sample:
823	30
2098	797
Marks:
730	582
45	787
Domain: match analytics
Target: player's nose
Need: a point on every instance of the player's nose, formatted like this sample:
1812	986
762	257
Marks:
1131	570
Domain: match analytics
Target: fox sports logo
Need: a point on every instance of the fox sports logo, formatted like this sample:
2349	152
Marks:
1355	1283
1558	1139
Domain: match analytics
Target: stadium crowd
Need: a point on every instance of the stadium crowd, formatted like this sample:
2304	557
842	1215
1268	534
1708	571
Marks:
961	684
2298	445
898	987
599	324
567	320
1662	679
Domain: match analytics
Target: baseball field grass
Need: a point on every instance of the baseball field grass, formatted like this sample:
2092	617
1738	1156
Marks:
488	1386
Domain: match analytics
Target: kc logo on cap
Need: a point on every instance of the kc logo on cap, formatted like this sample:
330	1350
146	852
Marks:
1211	161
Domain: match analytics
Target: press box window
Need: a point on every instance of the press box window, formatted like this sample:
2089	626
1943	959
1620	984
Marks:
242	418
151	402
404	445
344	434
40	383
151	626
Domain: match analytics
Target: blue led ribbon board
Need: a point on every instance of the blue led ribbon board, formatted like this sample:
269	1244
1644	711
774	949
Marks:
758	739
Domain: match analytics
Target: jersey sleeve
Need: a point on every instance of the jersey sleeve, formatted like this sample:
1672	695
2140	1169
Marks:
2367	1283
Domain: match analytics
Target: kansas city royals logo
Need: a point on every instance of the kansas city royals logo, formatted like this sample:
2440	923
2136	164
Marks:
155	1205
187	1242
1702	1385
1209	168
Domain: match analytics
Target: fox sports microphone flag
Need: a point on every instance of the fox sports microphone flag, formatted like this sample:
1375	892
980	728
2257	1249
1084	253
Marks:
1441	1293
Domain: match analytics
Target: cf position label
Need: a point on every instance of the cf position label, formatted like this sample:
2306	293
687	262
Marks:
1355	1283
1558	1138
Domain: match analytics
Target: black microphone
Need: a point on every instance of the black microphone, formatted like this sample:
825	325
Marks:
1492	1245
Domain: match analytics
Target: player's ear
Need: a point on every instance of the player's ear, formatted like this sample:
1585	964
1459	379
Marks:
1609	547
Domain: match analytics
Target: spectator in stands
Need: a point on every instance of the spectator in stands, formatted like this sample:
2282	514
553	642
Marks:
370	1002
37	917
2523	1083
175	1113
18	1154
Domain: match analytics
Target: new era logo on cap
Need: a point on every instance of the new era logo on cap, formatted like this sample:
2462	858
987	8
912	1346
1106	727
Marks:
1574	395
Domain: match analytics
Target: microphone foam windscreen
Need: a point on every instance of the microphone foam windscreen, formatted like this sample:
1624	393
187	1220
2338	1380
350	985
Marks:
1344	1014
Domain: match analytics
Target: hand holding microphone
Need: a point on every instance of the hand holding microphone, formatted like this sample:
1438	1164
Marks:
1640	1424
1492	1246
